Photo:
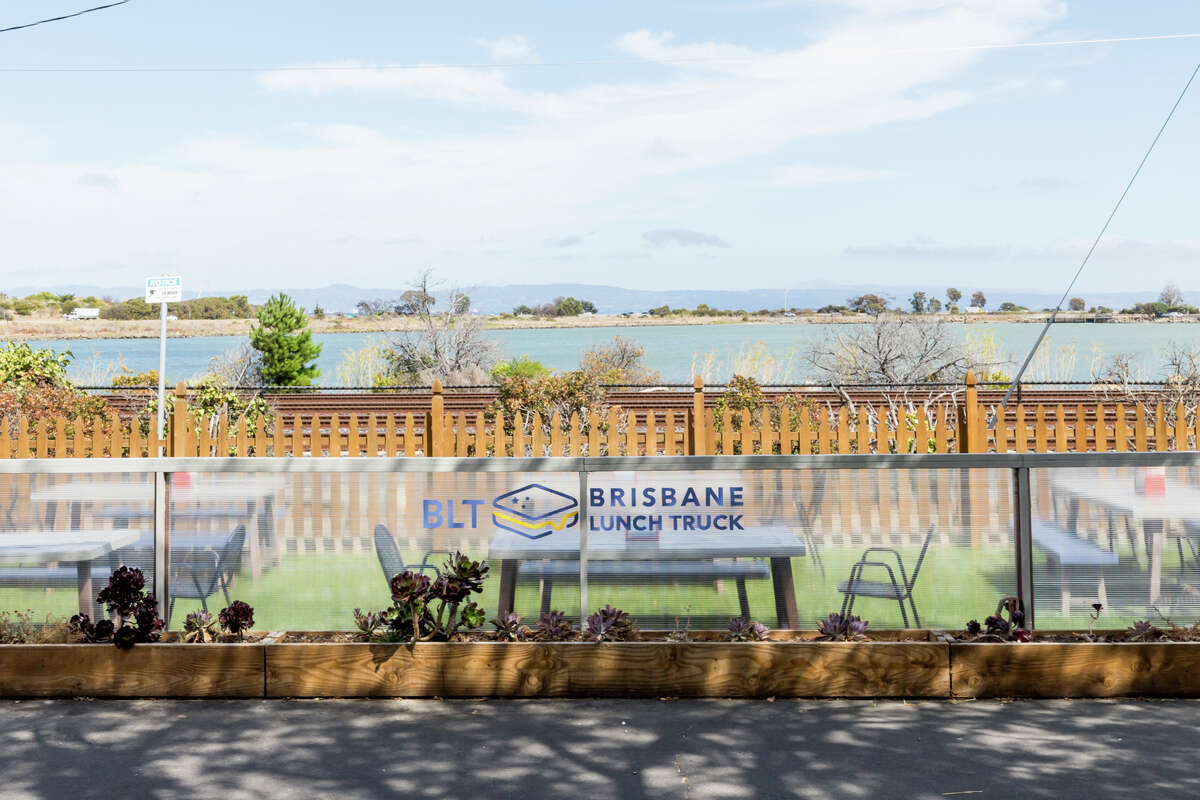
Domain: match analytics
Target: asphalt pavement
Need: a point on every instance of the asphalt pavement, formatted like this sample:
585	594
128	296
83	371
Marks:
584	749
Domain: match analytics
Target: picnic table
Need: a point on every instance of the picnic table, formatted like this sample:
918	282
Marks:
208	498
1117	495
776	543
78	549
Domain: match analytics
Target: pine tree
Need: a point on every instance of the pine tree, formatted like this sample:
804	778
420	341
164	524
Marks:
282	336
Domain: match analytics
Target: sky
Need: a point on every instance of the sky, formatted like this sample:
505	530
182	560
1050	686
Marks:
717	144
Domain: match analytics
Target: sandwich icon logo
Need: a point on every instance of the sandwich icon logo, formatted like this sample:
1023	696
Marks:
534	511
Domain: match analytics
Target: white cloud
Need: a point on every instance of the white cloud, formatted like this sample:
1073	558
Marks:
813	175
508	48
609	152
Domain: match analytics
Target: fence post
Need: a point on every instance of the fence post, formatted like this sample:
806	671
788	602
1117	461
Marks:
1023	541
179	422
974	429
436	425
699	434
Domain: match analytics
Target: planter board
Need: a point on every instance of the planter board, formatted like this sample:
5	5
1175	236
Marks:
1075	669
148	670
627	669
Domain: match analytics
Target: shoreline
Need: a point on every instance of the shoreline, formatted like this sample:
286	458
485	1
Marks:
56	328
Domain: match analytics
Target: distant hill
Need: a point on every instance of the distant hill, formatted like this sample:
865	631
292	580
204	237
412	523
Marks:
615	300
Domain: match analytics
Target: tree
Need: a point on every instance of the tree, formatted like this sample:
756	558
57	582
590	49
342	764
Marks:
953	296
979	300
918	303
1011	307
935	305
1077	304
415	301
621	361
872	304
1170	295
450	345
896	349
588	306
283	339
318	312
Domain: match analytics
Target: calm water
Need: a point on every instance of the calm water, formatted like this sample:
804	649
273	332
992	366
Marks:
772	352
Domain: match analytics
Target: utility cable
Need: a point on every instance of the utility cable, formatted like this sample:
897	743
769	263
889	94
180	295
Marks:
64	16
1099	236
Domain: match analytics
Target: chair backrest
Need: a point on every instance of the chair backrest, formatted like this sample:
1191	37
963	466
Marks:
390	559
231	553
912	581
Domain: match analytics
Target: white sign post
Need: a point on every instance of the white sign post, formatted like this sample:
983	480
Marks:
163	290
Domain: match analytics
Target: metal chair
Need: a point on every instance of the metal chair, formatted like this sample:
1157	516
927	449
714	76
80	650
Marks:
891	589
202	579
390	560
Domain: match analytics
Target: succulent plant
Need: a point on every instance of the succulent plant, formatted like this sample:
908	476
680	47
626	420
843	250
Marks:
1142	630
610	625
839	628
237	618
81	628
428	610
135	613
199	627
509	628
124	592
746	630
998	627
554	627
366	624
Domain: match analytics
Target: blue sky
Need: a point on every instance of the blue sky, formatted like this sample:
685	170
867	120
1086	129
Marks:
725	144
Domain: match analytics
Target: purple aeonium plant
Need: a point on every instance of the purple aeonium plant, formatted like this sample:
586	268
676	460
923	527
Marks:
236	618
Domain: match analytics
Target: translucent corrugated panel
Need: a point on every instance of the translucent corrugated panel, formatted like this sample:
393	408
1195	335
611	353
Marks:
900	548
1126	537
306	549
62	535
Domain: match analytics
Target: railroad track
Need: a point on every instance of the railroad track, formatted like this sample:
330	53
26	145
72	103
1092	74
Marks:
327	403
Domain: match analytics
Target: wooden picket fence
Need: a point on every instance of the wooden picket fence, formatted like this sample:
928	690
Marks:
962	426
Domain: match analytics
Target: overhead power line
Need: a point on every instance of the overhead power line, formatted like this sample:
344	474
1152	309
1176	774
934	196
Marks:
1099	236
64	16
577	62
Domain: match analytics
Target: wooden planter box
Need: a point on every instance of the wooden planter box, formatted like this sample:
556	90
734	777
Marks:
1075	669
148	670
626	669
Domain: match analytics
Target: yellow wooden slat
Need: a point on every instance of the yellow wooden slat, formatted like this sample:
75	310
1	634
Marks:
614	434
1181	428
631	435
372	436
1139	429
518	437
575	434
843	431
537	444
941	433
1120	430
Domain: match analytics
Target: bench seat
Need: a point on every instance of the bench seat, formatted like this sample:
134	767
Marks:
1070	553
645	572
1068	550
